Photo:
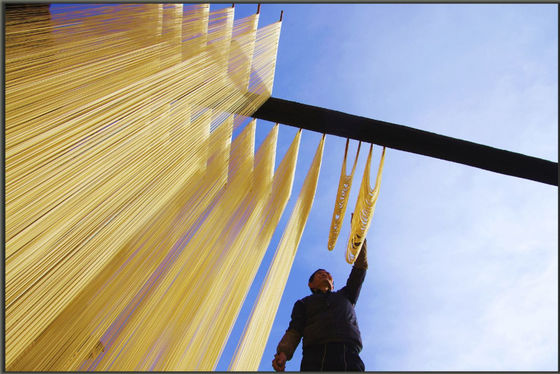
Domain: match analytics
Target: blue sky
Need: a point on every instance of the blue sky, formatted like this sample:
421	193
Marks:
463	262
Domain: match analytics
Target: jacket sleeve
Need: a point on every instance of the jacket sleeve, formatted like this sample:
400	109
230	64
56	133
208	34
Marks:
291	338
361	261
357	276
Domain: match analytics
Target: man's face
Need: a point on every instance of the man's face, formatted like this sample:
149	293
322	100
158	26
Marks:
322	279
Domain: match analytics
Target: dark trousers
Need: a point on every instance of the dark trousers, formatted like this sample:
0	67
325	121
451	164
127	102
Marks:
331	357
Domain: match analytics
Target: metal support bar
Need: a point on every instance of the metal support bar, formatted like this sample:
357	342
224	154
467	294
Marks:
408	139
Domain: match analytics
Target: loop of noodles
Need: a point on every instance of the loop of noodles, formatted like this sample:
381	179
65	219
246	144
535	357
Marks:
342	195
365	207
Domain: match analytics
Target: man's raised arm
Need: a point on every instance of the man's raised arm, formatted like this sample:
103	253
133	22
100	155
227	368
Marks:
357	275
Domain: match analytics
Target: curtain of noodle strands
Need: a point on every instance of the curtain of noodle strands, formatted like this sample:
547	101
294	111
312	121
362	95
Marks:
246	252
255	335
365	206
344	186
125	197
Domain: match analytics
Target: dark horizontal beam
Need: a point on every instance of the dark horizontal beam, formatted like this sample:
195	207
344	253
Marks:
408	139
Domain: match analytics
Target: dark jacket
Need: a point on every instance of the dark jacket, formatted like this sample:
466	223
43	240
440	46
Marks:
327	317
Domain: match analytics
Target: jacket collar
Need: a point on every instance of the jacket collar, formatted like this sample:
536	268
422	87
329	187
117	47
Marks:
318	291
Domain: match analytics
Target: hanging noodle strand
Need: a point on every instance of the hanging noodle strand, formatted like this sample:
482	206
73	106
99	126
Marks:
365	207
255	335
342	195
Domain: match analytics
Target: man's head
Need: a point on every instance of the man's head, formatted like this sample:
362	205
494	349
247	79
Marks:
321	280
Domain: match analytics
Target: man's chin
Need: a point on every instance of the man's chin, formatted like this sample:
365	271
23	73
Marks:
327	284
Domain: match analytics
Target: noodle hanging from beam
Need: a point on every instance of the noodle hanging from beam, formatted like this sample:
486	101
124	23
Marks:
124	198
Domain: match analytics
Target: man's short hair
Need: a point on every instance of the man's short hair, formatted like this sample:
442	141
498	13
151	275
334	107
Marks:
312	275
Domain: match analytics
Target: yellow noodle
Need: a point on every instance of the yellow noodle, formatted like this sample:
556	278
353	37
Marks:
365	207
344	186
251	346
122	194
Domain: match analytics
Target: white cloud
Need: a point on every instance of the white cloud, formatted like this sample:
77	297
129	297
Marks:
520	326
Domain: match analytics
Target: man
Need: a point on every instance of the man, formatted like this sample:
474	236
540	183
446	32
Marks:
327	322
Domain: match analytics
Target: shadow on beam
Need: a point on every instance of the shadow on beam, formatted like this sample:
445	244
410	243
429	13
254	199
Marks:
408	139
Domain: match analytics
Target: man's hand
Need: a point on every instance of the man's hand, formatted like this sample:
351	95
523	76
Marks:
361	261
279	362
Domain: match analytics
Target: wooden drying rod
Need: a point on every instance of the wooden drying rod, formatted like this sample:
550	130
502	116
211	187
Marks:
408	139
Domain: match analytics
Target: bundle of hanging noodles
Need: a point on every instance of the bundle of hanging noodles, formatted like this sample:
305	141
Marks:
128	207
